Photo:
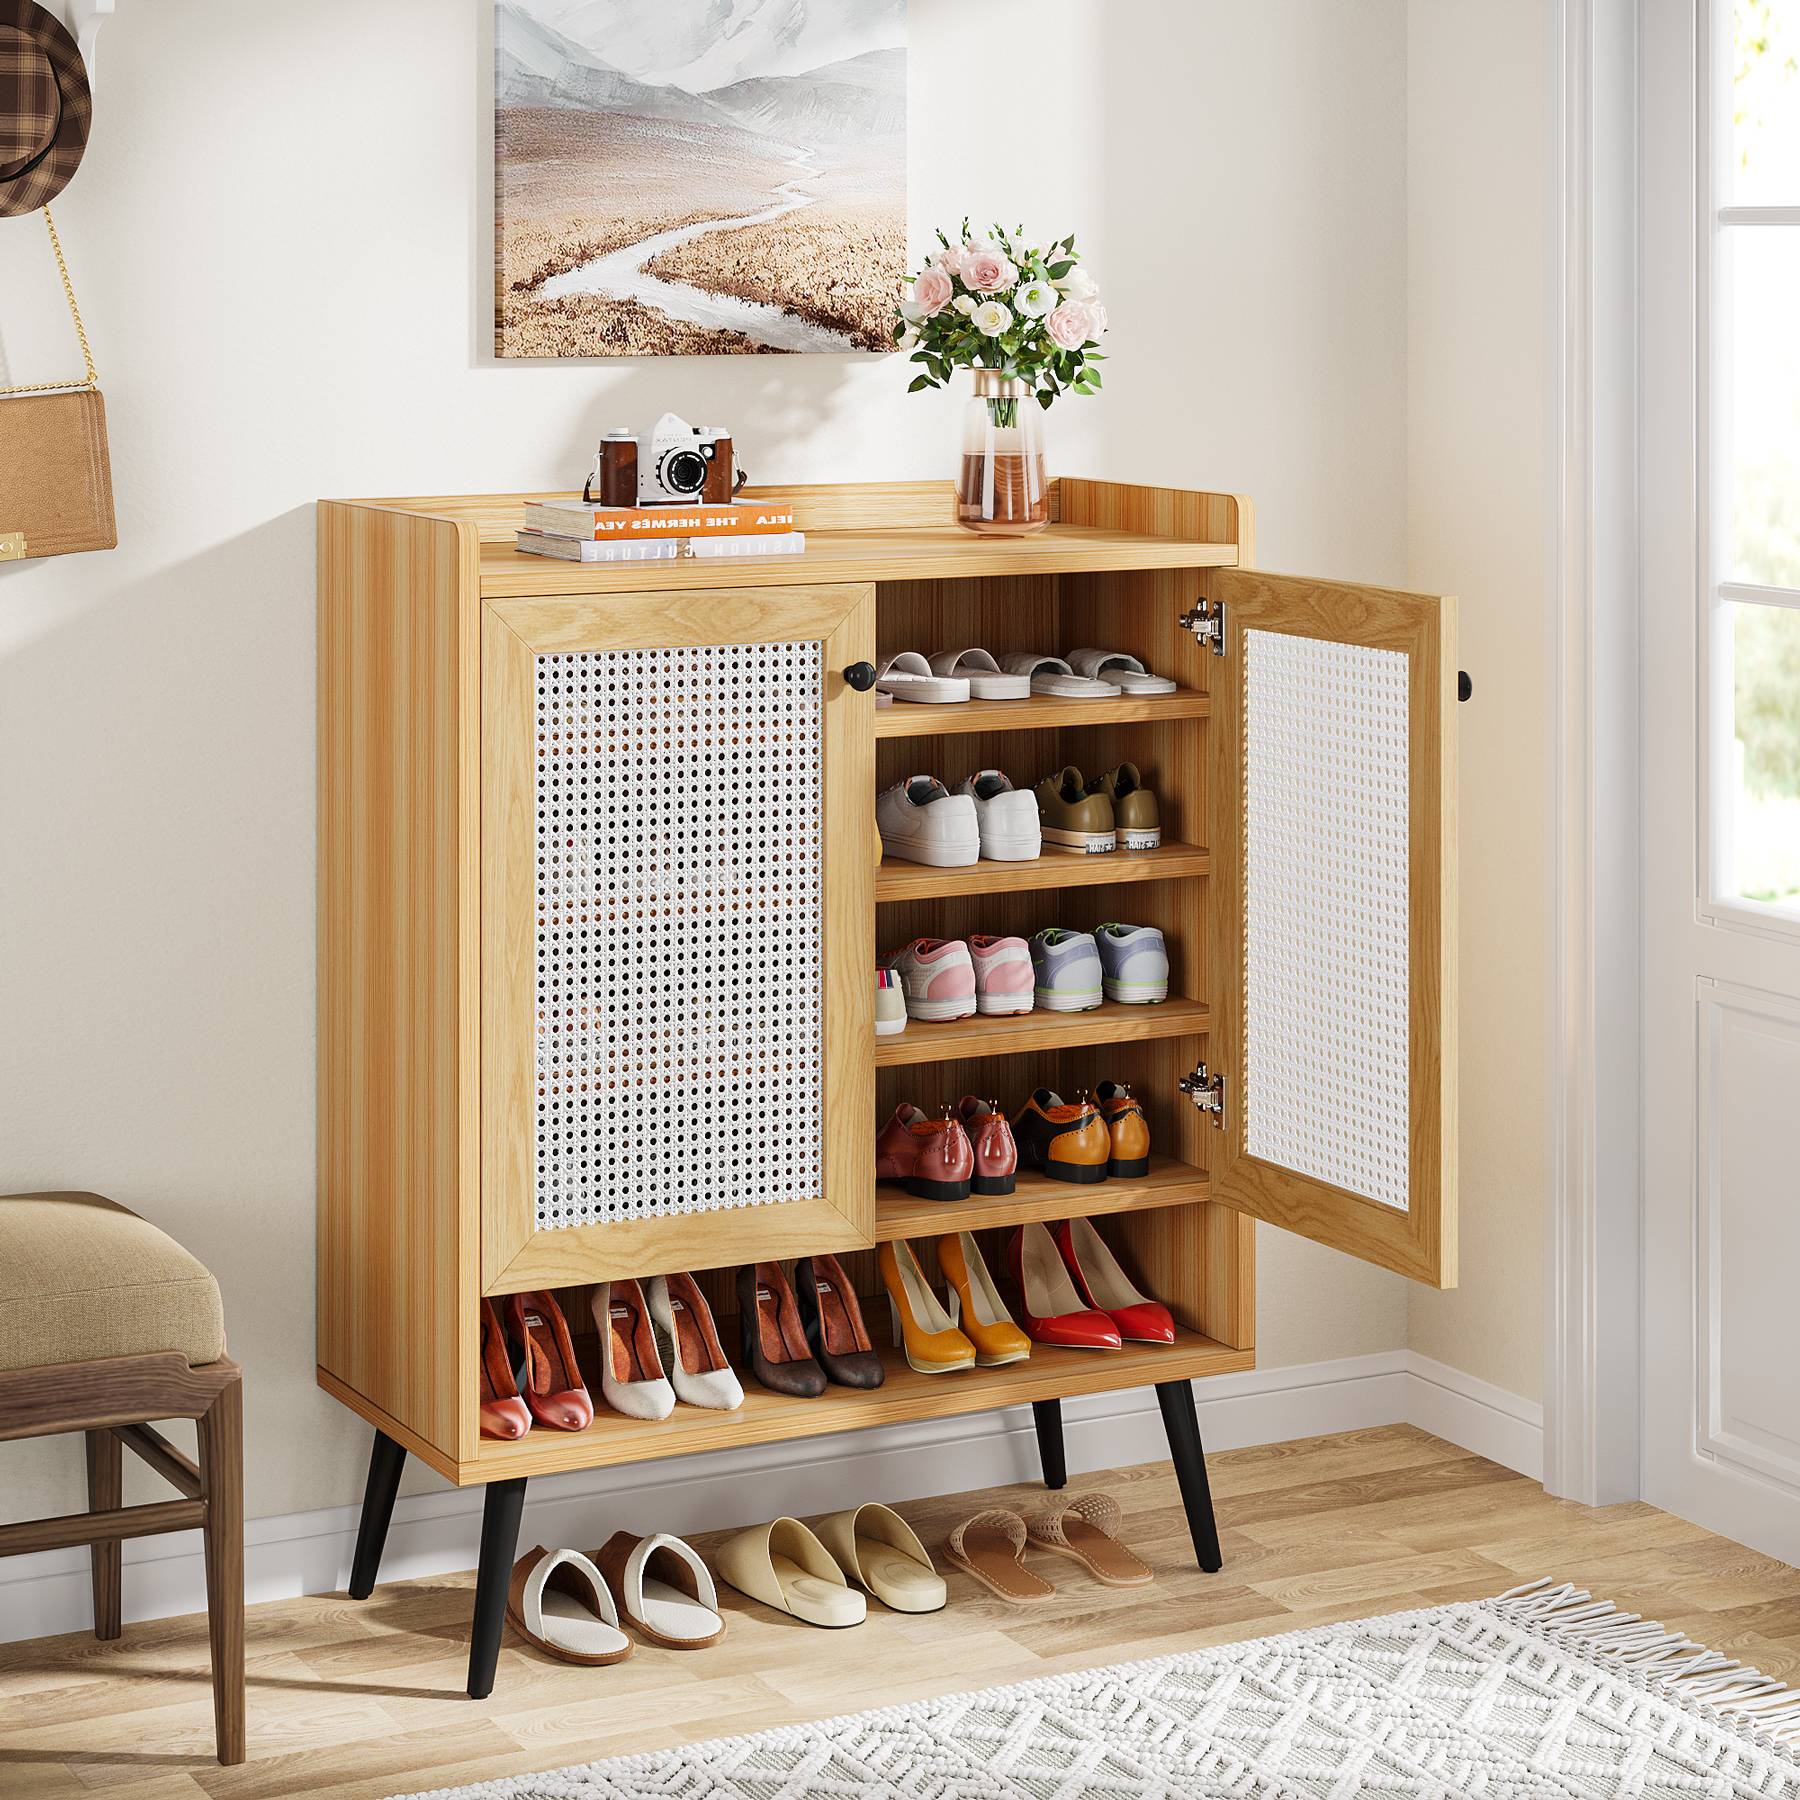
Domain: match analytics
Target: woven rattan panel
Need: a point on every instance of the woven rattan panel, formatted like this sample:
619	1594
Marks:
1325	911
679	1051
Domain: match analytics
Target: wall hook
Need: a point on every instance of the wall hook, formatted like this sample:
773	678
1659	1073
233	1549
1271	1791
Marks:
83	18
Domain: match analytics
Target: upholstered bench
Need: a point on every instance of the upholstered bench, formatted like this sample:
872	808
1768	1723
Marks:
107	1324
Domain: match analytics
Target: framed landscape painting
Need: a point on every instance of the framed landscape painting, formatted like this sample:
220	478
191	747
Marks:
677	178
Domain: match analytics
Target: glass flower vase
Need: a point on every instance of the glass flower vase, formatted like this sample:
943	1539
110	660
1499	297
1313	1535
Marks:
1001	486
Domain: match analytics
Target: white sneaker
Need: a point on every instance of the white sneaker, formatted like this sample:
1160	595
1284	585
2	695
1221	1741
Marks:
938	977
921	821
890	1004
1008	819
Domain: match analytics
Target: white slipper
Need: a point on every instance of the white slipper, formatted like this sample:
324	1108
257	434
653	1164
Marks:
784	1566
879	1551
665	1590
560	1602
908	676
1051	675
1119	669
985	677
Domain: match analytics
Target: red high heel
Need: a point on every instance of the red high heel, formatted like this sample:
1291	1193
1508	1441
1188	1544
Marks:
553	1387
503	1413
1105	1286
1049	1307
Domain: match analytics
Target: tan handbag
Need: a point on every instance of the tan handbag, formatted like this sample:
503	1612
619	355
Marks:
55	479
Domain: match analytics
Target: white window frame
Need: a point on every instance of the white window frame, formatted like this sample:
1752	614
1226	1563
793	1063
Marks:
1714	860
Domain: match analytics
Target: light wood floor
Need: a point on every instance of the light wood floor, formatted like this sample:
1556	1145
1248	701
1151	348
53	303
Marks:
351	1700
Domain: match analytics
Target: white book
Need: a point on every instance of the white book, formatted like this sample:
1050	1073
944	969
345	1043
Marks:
572	549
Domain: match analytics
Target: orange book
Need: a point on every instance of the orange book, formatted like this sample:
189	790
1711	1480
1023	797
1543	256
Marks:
603	524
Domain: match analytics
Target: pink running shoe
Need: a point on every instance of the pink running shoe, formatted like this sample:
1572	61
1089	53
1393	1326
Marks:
1003	974
938	977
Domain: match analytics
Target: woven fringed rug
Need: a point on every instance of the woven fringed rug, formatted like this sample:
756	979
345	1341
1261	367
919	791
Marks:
1542	1692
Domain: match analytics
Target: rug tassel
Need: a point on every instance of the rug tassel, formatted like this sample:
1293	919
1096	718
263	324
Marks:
1665	1660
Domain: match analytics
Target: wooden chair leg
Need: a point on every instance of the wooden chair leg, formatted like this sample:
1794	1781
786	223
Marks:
221	1429
106	1493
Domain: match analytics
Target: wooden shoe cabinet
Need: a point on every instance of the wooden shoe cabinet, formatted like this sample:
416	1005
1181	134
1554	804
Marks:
599	906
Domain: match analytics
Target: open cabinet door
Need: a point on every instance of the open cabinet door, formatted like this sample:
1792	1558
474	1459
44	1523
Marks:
1331	941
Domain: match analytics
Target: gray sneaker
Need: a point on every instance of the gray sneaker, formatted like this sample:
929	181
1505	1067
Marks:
1066	966
1134	963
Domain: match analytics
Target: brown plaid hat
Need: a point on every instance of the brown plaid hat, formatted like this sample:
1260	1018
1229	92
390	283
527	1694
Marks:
45	107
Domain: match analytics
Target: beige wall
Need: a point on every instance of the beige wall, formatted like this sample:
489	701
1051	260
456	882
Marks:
1479	186
281	243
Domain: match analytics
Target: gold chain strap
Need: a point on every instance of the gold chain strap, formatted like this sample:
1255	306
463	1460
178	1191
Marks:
87	355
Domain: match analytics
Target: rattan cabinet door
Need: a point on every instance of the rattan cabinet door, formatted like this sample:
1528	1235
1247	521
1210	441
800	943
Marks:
1331	946
677	901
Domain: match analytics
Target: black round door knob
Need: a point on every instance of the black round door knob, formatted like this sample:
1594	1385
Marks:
861	676
1464	686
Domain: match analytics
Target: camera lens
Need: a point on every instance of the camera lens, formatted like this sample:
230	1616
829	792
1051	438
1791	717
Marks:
684	471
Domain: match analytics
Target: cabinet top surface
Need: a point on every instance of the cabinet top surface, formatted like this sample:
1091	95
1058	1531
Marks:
864	532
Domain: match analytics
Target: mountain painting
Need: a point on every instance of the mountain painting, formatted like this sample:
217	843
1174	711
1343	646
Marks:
698	177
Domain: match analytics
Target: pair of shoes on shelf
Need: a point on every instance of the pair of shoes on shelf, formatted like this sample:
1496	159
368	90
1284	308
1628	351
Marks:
799	1337
947	1158
954	978
531	1376
660	1344
920	820
1073	971
990	1547
1114	812
949	677
1086	674
1074	1293
1079	1142
975	1330
569	1605
820	1577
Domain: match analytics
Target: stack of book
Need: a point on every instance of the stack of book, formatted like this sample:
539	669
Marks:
578	532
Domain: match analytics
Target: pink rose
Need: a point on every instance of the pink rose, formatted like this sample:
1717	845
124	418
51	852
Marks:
932	291
987	271
1071	325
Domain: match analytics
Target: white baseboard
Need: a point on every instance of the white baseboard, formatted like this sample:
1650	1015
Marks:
436	1533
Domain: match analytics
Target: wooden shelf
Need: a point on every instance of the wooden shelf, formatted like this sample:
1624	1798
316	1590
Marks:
1051	1374
899	1214
904	719
897	879
1109	1023
915	554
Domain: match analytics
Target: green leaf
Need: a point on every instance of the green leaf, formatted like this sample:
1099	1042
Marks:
1045	397
1058	270
918	382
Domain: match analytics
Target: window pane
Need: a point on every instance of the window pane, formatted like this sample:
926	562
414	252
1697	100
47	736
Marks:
1765	104
1765	754
1761	419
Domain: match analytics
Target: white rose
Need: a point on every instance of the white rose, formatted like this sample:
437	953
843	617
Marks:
991	318
964	304
910	310
1078	284
909	338
1035	299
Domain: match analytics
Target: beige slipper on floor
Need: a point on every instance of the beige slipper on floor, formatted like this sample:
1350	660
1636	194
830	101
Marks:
879	1551
784	1566
1087	1531
559	1602
988	1547
665	1591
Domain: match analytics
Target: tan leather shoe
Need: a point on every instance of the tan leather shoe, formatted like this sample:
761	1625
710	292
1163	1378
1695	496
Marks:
1128	1129
1073	818
1069	1142
1137	823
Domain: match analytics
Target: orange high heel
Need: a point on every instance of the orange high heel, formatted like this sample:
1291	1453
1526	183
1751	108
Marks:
553	1386
503	1413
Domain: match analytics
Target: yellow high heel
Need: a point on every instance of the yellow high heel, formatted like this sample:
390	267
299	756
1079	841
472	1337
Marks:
975	1303
922	1328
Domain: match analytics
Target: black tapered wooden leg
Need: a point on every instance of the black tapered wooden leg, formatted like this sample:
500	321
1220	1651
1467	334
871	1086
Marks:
386	1460
499	1550
1047	1416
1176	1398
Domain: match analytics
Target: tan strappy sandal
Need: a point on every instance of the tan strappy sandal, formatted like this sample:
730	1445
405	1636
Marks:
989	1547
1086	1530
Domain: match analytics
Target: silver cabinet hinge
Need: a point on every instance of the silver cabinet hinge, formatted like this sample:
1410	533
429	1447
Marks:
1207	1091
1206	620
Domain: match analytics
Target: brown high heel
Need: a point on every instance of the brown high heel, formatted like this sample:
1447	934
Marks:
774	1344
553	1386
503	1413
834	1323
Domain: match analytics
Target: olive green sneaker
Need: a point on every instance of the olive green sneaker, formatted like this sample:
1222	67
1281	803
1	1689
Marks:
1072	818
1136	822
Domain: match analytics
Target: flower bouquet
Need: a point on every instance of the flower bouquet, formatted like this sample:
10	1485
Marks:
1026	317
